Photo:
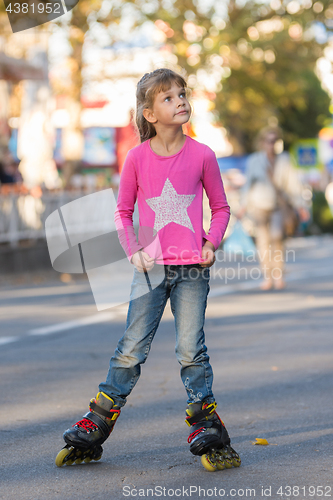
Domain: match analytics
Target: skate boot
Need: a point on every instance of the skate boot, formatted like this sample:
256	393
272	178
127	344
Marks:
85	437
209	437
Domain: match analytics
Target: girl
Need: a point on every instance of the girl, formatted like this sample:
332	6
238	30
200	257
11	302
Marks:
165	174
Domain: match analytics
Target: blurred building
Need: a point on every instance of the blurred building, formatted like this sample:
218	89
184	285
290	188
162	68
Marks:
25	103
12	71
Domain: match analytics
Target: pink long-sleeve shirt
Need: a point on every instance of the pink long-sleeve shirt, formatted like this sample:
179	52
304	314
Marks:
169	192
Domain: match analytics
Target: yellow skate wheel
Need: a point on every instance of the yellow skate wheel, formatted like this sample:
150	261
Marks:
226	458
60	458
98	458
208	463
235	458
220	464
78	457
87	460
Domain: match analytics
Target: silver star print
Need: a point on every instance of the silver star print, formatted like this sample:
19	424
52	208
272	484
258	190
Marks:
171	207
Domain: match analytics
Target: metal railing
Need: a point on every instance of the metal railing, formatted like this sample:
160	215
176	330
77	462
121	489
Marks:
22	215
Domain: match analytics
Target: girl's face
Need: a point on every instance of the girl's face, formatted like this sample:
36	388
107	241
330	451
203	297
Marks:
170	107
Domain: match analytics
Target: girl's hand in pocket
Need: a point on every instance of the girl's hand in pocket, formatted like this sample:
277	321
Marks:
142	261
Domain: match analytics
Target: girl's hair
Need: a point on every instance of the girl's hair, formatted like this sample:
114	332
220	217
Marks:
147	89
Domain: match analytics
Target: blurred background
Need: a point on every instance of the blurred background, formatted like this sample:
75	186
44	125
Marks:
67	99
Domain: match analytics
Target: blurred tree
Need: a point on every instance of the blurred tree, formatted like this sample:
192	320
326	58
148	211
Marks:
272	60
258	60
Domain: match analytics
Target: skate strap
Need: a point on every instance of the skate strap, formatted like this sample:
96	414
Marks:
111	414
206	424
197	430
199	416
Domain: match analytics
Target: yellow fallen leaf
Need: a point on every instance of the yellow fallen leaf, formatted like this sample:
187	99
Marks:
262	442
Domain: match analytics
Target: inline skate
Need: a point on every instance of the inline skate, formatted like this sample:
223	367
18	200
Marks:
84	439
209	438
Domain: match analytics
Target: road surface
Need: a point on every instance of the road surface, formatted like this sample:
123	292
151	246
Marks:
272	355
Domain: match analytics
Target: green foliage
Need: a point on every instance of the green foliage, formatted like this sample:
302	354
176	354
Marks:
322	215
261	62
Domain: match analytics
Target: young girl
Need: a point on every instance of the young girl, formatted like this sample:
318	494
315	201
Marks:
166	175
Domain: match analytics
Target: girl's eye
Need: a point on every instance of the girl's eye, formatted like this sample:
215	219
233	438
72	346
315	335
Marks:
167	98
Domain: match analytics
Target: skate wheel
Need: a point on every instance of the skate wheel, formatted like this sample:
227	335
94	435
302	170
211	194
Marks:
208	463
220	464
78	457
97	453
70	462
87	460
60	458
226	458
233	457
236	460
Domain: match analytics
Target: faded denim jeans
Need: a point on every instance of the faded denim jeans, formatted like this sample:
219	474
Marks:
187	287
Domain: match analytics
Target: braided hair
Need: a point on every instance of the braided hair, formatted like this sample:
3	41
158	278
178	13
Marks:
147	89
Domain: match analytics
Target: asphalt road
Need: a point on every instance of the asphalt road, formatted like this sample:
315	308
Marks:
272	354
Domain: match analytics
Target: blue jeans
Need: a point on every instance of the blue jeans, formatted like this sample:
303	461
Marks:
188	287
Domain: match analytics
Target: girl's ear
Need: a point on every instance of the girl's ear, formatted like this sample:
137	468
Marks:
149	115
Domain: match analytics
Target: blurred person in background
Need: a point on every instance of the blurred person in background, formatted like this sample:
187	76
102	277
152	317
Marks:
272	198
9	173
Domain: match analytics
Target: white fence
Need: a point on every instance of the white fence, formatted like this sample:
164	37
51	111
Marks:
22	216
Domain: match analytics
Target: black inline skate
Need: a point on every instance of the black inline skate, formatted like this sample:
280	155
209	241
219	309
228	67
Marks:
84	438
209	438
